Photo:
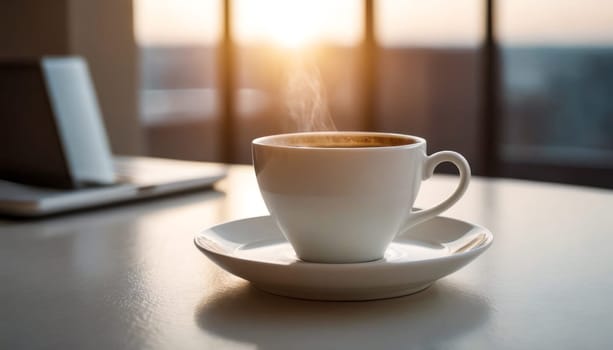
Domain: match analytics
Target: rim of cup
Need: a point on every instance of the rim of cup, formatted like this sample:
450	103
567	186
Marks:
274	140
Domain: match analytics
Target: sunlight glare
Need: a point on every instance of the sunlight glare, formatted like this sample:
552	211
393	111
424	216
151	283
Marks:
297	23
294	25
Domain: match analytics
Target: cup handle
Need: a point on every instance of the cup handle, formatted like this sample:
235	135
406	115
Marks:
432	162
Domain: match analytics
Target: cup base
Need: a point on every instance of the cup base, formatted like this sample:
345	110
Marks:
337	260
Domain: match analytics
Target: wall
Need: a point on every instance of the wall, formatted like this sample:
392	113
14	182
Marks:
102	32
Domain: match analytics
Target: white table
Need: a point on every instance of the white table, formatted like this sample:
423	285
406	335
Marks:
130	277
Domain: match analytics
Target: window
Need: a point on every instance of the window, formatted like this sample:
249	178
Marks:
557	83
429	77
521	91
275	44
179	105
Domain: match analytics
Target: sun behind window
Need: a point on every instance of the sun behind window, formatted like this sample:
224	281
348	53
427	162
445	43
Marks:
298	23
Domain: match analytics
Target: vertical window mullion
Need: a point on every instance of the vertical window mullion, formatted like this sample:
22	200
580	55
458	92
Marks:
490	75
226	87
369	78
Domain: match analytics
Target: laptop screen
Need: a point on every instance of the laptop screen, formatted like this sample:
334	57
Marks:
51	131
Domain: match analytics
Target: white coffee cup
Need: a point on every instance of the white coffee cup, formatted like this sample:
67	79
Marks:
342	197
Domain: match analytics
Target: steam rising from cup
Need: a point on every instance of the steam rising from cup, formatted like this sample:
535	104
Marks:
306	99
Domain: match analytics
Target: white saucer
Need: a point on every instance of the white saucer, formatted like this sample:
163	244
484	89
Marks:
255	249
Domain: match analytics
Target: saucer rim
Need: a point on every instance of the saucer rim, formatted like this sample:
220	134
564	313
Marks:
475	251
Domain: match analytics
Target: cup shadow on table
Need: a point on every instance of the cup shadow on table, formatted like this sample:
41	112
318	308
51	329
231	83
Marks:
432	319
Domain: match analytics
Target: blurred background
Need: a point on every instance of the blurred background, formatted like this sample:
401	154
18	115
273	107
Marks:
522	88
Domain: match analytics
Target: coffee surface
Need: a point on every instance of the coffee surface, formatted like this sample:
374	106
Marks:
345	141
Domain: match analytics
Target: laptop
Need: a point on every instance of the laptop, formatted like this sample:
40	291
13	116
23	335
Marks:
54	151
